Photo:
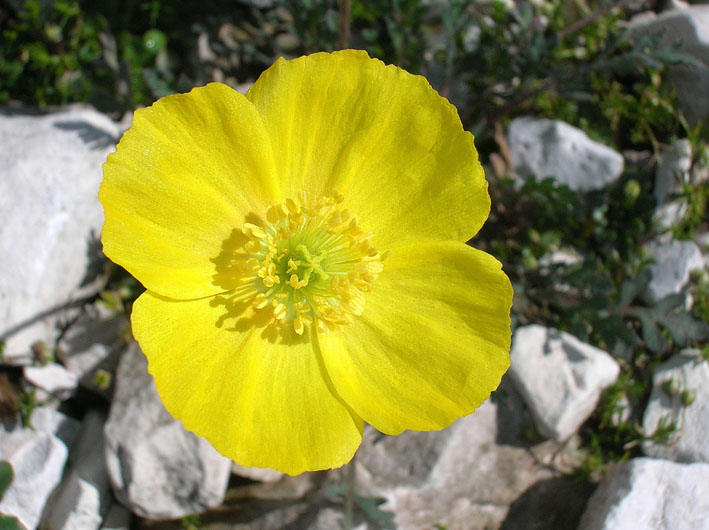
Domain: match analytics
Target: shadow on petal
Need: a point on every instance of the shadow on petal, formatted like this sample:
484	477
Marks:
239	281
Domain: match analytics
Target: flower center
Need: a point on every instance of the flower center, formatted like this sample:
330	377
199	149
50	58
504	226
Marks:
312	263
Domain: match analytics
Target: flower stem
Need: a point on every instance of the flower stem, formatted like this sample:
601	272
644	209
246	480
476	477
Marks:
344	41
351	483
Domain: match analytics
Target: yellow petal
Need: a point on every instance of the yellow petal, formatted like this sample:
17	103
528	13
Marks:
260	400
189	171
381	137
433	341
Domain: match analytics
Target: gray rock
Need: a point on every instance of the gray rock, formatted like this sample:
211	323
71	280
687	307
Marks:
49	235
673	263
84	495
699	174
37	459
327	519
546	148
559	377
689	442
49	420
474	475
53	379
257	474
683	31
670	214
564	256
275	517
702	239
672	170
158	469
93	336
117	518
94	343
649	494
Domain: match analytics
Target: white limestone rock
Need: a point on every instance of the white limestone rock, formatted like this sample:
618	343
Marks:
689	442
92	338
670	214
257	474
559	377
158	470
546	148
94	343
685	31
477	474
52	219
37	459
564	256
84	495
674	261
702	239
53	379
672	170
652	495
49	420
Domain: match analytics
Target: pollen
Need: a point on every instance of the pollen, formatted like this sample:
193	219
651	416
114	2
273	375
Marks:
312	264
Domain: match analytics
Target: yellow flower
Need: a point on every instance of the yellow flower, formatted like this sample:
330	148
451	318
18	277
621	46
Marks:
303	250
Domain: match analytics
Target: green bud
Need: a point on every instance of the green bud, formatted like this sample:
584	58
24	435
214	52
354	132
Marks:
688	396
534	236
102	379
632	191
154	41
671	386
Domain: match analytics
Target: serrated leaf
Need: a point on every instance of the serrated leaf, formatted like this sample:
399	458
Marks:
632	287
674	56
684	328
332	490
616	335
370	507
651	334
669	303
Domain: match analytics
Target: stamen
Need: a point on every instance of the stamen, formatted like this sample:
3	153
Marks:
312	263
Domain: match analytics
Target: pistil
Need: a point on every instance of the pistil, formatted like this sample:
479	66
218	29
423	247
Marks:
312	263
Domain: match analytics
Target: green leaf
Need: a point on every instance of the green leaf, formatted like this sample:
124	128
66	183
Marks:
651	333
632	287
370	507
616	335
669	303
684	328
6	476
8	522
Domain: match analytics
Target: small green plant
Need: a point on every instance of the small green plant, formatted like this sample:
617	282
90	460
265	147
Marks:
700	294
192	522
688	396
27	403
666	427
102	379
342	492
671	387
41	353
7	522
